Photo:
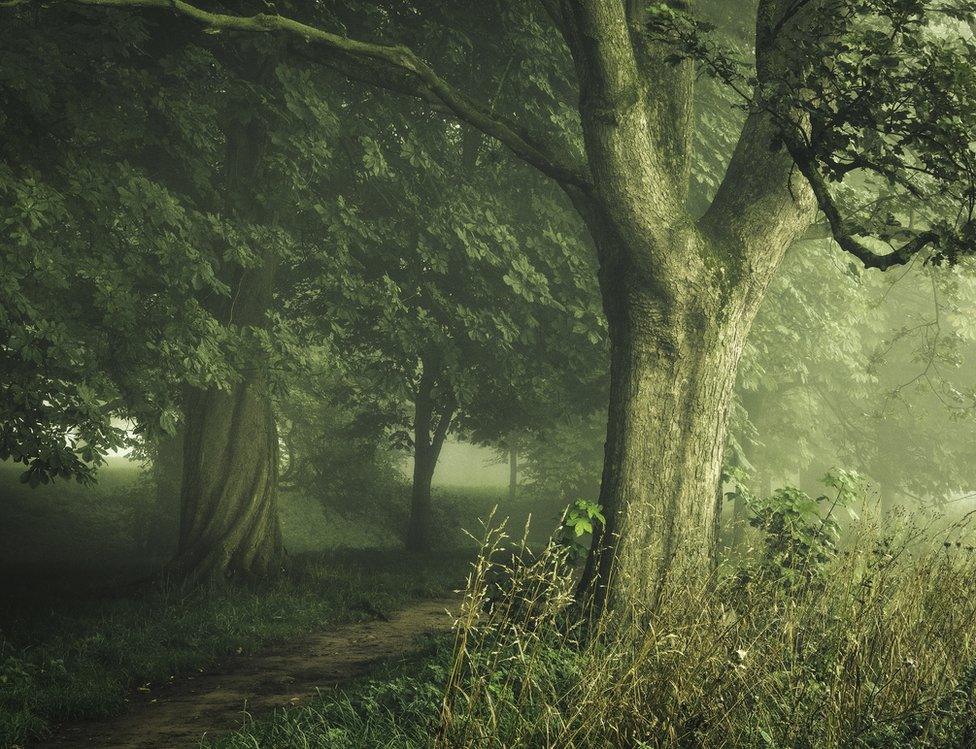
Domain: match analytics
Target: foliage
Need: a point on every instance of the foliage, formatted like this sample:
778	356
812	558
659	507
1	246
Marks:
880	655
564	460
577	526
336	452
799	532
121	239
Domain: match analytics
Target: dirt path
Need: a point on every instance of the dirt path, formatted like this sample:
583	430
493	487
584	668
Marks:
179	714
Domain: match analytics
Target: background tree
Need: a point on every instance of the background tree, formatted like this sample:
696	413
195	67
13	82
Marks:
452	301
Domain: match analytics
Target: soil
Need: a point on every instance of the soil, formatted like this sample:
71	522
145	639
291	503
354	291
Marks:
181	713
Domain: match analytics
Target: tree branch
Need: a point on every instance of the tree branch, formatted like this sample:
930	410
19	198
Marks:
839	229
759	196
392	66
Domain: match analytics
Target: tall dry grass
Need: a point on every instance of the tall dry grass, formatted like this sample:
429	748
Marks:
875	648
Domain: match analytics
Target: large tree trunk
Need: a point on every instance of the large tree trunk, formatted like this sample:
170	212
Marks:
229	517
420	524
671	389
229	522
680	292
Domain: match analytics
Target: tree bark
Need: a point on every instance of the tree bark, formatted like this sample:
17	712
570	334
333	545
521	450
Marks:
672	375
512	473
430	430
229	518
229	521
679	293
229	513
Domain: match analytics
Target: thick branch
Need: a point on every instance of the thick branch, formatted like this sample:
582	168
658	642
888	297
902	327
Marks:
759	203
406	71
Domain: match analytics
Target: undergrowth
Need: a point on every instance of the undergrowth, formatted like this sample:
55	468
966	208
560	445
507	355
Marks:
64	659
867	644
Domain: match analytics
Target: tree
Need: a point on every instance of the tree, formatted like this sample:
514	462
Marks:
140	281
679	291
453	310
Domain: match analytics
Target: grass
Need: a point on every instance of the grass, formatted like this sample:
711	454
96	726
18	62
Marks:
69	650
73	646
397	706
66	659
874	649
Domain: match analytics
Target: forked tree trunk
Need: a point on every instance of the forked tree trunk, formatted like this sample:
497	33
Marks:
431	426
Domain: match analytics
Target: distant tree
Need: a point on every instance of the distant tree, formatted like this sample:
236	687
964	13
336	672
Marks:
453	302
146	220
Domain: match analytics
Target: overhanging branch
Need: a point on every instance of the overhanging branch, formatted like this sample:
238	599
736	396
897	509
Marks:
839	229
392	66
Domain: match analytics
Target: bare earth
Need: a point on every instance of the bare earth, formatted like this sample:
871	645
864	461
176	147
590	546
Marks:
181	713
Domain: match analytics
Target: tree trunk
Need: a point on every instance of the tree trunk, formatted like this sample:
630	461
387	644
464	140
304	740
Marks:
229	522
512	473
229	516
428	440
419	529
670	396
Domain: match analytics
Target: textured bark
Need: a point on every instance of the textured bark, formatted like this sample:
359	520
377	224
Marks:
672	373
680	295
229	521
229	517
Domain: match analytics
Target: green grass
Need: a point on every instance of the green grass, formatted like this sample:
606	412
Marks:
397	705
76	638
64	659
874	648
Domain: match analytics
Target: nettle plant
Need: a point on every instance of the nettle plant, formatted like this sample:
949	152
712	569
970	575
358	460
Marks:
800	533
